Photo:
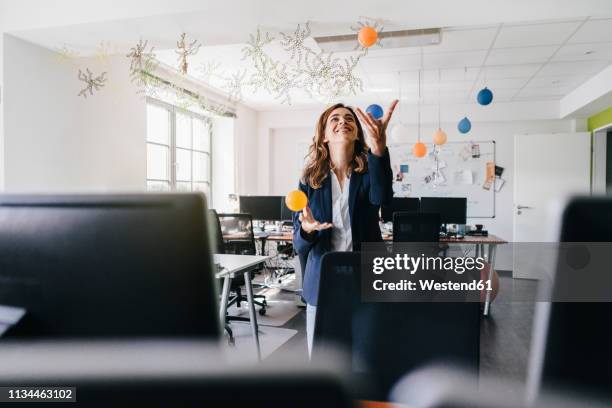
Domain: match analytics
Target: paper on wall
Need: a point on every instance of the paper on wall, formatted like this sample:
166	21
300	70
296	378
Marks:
465	153
499	183
464	177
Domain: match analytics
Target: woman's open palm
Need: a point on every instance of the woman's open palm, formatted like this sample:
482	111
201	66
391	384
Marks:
376	129
309	224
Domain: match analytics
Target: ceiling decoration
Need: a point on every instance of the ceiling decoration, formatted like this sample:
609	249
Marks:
92	83
184	50
142	63
320	74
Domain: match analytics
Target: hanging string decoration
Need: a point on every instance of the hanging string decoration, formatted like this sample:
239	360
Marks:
294	44
142	64
92	83
104	51
439	137
320	74
184	50
269	75
65	55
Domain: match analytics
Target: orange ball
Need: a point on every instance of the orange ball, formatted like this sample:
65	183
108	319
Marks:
440	137
419	149
367	36
296	200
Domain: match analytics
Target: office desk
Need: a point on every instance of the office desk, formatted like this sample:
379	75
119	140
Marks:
233	264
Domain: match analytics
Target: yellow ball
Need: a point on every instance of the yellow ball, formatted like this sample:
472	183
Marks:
296	200
419	149
440	137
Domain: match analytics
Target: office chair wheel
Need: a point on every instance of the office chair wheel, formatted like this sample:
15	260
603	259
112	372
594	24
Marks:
262	311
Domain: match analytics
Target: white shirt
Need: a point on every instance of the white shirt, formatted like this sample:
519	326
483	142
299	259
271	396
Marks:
341	234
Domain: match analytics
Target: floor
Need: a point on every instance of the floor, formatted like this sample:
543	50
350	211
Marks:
505	335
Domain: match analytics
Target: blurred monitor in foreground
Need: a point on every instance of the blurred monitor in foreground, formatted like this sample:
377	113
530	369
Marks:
106	266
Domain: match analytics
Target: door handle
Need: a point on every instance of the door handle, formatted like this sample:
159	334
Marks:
523	207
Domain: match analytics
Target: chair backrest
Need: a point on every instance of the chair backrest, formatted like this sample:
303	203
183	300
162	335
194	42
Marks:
237	233
410	226
571	344
217	243
386	340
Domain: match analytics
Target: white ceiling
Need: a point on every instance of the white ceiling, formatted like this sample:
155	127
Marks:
519	62
526	60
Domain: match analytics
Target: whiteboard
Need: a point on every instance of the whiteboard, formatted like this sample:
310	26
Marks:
456	169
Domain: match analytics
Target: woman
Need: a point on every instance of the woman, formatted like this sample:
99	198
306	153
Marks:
346	183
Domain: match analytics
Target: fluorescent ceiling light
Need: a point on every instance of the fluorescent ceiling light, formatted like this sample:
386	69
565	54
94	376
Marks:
389	39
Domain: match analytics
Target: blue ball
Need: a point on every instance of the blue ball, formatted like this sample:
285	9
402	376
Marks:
375	110
464	125
485	96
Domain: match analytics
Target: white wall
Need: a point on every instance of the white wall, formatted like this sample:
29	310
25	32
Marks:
58	141
247	160
223	158
281	140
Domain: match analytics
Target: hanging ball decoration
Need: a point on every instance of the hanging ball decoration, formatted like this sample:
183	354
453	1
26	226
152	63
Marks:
296	200
399	133
440	137
464	125
485	96
375	110
419	149
367	36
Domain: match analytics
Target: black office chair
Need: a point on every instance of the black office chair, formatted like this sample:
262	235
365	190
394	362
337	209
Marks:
387	340
241	241
411	226
573	334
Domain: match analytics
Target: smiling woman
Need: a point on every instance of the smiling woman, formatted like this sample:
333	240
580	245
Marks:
345	183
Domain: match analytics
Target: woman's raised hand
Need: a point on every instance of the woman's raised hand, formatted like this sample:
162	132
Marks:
376	129
309	224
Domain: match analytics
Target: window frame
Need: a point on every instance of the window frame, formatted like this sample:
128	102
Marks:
172	163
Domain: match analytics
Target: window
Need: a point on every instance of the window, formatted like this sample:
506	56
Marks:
178	149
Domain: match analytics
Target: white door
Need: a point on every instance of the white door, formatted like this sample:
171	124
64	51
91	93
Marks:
548	168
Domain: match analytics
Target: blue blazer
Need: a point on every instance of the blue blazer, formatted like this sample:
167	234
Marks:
367	192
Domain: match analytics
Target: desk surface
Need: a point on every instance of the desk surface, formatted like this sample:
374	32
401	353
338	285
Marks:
237	263
468	239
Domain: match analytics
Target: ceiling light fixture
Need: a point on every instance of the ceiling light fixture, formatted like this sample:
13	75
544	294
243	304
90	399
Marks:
392	39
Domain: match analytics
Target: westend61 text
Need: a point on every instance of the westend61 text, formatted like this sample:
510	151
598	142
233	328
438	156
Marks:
406	285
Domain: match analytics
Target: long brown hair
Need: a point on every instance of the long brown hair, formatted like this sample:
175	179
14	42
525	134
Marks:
318	163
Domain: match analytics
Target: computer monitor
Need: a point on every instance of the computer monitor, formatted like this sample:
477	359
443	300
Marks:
452	210
286	213
572	339
108	266
266	208
399	204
